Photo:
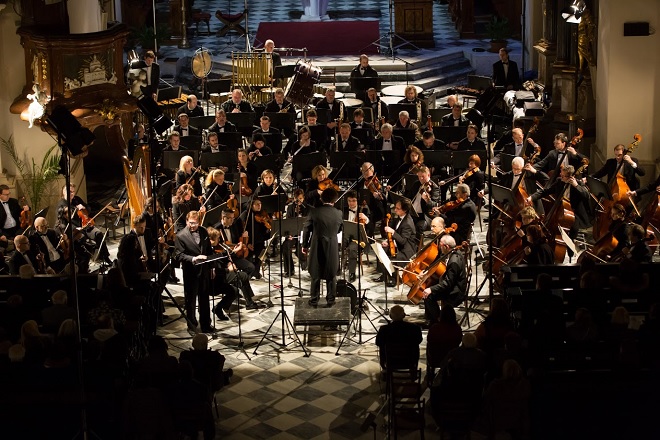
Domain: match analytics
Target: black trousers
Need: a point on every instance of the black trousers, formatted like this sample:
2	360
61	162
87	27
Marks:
315	290
242	280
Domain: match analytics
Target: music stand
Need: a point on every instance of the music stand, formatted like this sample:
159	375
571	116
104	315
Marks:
385	161
461	159
436	114
192	142
353	161
479	82
218	86
292	227
399	198
438	159
201	122
368	114
273	162
393	111
171	159
305	163
502	194
233	139
324	116
598	188
213	215
217	160
364	83
168	94
449	134
407	134
505	161
282	121
273	141
319	134
283	72
364	135
272	203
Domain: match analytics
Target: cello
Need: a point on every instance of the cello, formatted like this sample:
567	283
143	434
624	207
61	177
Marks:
431	275
424	258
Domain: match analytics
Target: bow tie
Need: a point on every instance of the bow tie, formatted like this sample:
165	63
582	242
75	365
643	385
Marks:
358	125
505	64
386	140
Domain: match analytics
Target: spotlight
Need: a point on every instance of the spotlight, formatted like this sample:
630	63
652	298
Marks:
159	122
573	14
74	137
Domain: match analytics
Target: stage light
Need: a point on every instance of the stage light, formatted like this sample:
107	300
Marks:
573	14
134	61
75	138
159	122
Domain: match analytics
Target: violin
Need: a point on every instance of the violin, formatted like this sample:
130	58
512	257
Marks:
245	188
85	220
372	183
449	206
263	218
328	183
232	203
390	240
26	215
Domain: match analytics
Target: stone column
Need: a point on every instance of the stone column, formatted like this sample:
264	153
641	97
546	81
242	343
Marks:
547	46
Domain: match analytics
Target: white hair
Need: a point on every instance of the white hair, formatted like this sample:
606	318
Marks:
518	161
448	240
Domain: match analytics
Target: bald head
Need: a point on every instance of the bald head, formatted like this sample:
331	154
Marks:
437	225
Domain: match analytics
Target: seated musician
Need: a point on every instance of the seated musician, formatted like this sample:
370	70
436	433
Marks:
304	145
429	142
403	235
638	250
245	166
378	107
359	123
651	187
257	223
134	252
462	211
264	127
387	141
217	190
81	212
376	200
280	104
532	180
10	216
184	128
346	142
404	122
258	147
187	173
275	59
412	162
437	227
191	107
561	155
336	107
25	254
237	104
228	280
471	142
474	178
235	235
538	251
451	100
213	145
412	98
295	209
313	192
221	124
355	214
424	195
452	286
174	144
267	186
363	70
455	118
568	187
619	228
622	164
311	117
182	203
48	240
515	147
138	140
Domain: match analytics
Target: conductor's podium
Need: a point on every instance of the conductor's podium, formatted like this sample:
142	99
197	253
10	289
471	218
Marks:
322	315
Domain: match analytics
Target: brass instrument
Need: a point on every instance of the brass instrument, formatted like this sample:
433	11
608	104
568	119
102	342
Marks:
341	113
285	109
337	138
418	107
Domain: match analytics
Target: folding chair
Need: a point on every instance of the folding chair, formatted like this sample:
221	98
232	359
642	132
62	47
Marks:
231	22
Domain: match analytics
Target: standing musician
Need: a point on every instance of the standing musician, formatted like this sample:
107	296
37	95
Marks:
193	246
188	174
191	107
258	147
313	193
184	128
336	107
538	251
363	70
355	214
221	124
275	59
134	253
267	187
10	216
514	148
471	142
405	123
462	211
295	209
346	142
624	165
452	286
532	179
232	234
236	104
49	241
412	98
429	142
455	118
257	224
213	145
505	72
24	254
217	190
183	202
561	155
153	74
387	141
403	235
378	107
245	166
424	195
567	186
321	248
89	232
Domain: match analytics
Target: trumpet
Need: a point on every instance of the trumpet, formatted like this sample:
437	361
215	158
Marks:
418	107
285	109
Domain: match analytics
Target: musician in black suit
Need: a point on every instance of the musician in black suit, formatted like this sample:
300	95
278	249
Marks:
135	250
505	72
10	216
321	247
217	189
424	195
237	104
363	70
191	107
192	246
533	180
429	142
463	215
221	124
264	127
336	107
295	209
412	98
563	154
476	179
303	145
455	118
378	107
47	240
258	147
280	104
213	146
623	164
403	235
388	141
346	142
139	139
360	124
355	214
577	194
452	286
23	255
152	68
471	142
183	128
516	147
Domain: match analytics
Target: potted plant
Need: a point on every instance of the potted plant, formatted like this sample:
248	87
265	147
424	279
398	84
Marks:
498	31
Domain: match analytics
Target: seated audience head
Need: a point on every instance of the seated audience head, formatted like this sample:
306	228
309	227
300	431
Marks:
469	340
60	297
200	342
397	313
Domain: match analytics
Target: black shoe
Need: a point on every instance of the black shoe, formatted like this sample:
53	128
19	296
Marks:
252	306
312	303
227	374
192	327
380	279
257	276
391	283
107	261
220	314
331	302
193	321
209	329
351	278
174	279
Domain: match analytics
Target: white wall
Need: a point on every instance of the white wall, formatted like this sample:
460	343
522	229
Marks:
628	87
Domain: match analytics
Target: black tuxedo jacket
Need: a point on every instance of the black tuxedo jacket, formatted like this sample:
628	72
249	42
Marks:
397	144
243	106
15	211
274	107
192	131
411	193
197	111
463	216
352	144
36	242
320	236
129	255
236	230
154	80
510	149
413	115
549	162
194	277
454	282
437	145
476	145
510	81
404	236
506	180
336	106
448	121
629	173
369	72
17	260
578	196
229	127
374	107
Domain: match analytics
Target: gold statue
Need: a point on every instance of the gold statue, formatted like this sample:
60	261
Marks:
586	41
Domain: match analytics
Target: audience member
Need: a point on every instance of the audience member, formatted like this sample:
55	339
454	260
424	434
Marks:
53	316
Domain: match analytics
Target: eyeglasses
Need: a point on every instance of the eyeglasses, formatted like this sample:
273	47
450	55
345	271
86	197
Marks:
193	223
